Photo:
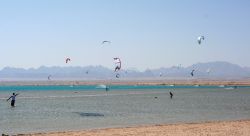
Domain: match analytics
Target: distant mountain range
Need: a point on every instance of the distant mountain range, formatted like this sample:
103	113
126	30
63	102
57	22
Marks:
217	69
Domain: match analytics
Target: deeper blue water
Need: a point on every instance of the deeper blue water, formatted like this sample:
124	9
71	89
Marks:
60	108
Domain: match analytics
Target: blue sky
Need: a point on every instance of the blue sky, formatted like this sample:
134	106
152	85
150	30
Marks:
144	33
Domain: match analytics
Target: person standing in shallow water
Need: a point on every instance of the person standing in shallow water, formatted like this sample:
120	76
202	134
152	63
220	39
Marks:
13	99
171	94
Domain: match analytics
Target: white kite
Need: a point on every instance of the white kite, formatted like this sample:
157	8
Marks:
118	64
208	70
200	38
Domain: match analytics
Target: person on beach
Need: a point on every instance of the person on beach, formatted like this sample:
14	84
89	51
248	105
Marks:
13	99
171	94
106	88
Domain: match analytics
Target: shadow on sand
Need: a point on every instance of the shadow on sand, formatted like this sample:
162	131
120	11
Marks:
87	114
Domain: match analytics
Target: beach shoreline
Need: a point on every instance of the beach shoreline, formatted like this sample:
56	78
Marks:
210	128
168	82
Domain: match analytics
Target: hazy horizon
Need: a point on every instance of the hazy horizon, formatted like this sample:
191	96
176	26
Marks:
211	70
130	68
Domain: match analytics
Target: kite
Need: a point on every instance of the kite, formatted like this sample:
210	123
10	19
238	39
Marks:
200	38
208	70
117	75
192	73
118	64
49	77
67	60
103	42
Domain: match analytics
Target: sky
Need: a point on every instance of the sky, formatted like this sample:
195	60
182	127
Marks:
143	33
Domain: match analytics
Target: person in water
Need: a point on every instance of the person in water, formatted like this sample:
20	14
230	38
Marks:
171	94
13	99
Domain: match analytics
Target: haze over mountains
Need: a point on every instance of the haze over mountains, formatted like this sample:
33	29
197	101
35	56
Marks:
208	70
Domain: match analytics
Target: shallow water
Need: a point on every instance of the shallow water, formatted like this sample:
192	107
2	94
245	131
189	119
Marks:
60	108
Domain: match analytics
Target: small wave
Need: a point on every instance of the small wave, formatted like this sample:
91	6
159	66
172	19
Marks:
101	86
230	88
221	86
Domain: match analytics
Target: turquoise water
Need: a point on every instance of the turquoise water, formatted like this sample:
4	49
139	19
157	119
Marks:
60	108
97	87
84	87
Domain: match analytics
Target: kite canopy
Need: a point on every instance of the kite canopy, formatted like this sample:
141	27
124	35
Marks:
67	60
49	77
200	38
117	75
208	70
192	72
118	64
103	42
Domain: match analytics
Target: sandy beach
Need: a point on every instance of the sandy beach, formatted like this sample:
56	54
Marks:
223	128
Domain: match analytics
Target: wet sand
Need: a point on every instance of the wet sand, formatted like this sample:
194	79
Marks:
222	128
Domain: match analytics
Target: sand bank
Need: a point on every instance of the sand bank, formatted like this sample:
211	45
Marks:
222	128
239	82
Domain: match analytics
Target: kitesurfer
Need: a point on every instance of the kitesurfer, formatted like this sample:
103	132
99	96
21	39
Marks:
171	94
13	99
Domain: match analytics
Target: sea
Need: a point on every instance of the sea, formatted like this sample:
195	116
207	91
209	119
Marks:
83	107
